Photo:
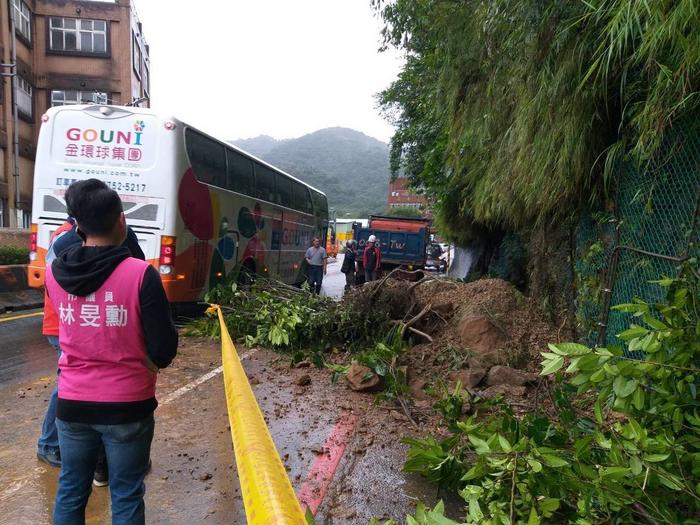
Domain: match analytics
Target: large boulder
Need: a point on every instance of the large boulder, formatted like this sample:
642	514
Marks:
503	375
362	379
480	335
469	377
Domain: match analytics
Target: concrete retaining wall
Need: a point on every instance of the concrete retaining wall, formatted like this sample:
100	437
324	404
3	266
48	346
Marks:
19	238
13	278
15	294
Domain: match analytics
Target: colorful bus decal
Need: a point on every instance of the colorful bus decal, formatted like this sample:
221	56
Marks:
199	208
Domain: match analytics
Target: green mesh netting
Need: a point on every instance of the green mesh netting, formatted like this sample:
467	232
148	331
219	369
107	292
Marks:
595	239
656	207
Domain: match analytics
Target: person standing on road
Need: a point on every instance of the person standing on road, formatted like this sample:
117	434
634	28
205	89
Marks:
47	445
372	259
348	266
115	332
65	237
316	263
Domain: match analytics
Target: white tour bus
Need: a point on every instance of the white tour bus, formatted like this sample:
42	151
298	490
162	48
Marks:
201	208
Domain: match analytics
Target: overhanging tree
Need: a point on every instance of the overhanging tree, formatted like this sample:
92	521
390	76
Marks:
514	112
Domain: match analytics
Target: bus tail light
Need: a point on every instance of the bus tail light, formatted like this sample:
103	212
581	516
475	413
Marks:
167	254
33	242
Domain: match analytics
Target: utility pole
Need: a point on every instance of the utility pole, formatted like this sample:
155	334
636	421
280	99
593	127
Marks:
12	74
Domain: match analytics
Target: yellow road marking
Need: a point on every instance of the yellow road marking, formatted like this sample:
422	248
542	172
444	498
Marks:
23	316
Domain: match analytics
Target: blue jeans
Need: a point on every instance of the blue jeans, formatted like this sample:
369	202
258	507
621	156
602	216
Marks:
48	441
128	447
315	278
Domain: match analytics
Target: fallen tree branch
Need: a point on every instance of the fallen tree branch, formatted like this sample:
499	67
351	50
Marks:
402	402
381	283
418	317
419	282
422	334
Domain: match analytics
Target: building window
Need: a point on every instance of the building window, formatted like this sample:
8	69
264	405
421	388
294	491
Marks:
23	95
67	97
25	219
146	81
23	19
78	35
137	57
2	212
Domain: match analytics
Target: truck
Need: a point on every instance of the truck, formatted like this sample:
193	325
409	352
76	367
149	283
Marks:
402	241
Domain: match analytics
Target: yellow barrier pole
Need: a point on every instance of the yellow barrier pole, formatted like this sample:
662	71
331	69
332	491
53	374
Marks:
267	493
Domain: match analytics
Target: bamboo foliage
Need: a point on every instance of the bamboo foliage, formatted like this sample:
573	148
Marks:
518	111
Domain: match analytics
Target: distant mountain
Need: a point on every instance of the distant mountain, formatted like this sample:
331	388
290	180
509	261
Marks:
258	146
351	168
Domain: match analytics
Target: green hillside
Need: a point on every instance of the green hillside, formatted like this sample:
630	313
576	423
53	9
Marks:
350	167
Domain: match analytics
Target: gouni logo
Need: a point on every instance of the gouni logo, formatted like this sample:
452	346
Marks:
139	125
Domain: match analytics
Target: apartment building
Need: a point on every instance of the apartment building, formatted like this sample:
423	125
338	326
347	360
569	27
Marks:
67	52
401	196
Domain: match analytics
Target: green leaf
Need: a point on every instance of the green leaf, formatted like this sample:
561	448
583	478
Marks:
535	465
534	519
552	366
548	506
598	375
554	461
656	458
598	409
638	399
635	465
574	349
624	387
671	481
481	446
632	333
474	509
614	472
505	446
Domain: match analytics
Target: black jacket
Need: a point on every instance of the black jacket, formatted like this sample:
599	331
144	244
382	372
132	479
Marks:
80	271
72	238
348	265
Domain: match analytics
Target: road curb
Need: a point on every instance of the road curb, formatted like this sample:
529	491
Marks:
21	300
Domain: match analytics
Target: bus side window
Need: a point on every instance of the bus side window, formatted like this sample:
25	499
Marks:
240	173
302	199
284	191
320	204
264	183
207	157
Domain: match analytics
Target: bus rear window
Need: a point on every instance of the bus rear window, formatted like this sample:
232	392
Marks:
207	157
240	173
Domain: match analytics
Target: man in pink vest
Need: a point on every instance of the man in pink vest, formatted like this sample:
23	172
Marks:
115	332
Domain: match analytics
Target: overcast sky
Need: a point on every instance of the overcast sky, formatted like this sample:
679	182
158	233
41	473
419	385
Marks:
242	68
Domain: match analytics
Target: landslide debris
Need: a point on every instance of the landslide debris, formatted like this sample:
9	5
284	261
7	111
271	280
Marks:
484	335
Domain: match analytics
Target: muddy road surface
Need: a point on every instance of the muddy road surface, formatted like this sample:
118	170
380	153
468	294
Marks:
341	448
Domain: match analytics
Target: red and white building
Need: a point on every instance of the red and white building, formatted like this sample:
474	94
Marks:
401	196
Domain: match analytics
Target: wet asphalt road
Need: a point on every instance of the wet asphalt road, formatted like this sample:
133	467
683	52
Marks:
194	477
24	352
26	355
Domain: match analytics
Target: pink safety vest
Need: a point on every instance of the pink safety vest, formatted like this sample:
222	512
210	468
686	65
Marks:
102	343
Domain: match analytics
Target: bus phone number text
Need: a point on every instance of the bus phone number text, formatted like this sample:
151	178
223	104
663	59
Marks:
131	187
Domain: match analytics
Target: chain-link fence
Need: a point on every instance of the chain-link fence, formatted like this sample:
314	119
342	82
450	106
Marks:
650	231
